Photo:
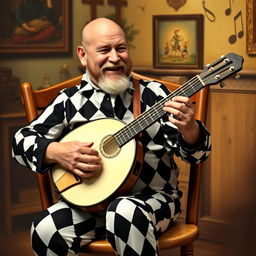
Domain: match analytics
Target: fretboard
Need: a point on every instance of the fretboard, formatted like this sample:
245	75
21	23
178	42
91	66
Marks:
150	116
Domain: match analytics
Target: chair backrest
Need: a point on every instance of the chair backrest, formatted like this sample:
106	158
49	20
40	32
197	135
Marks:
36	100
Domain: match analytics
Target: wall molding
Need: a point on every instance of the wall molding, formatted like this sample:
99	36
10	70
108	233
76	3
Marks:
245	83
155	72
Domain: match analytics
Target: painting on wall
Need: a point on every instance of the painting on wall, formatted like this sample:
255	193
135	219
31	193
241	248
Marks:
251	27
178	41
33	27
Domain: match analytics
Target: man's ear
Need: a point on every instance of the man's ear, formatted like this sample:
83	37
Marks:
81	53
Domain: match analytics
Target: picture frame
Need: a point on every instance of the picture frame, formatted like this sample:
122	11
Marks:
251	27
178	41
52	30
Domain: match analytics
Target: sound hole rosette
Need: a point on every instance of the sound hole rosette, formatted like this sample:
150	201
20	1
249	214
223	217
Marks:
109	147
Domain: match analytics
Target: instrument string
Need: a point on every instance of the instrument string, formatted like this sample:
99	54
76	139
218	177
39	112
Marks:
148	117
110	143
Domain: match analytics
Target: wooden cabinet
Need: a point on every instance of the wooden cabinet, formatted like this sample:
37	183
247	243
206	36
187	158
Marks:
228	191
19	194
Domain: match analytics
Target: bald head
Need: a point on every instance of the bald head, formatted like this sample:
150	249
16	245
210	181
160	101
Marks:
99	28
104	51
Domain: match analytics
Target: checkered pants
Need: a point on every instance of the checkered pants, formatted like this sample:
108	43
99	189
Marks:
131	224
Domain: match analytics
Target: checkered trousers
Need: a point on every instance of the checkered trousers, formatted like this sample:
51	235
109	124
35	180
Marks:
131	224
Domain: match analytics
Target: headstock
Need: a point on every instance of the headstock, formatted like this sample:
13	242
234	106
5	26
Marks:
226	66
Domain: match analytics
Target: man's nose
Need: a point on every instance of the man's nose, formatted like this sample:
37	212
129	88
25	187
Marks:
113	56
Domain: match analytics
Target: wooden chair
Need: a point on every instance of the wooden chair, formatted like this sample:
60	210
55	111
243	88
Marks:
182	234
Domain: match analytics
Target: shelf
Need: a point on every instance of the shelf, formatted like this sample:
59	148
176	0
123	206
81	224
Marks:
156	72
17	182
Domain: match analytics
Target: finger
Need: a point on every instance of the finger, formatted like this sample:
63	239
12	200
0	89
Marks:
178	123
177	113
88	167
182	99
87	144
89	151
91	159
175	104
86	170
83	174
180	106
176	110
83	144
172	107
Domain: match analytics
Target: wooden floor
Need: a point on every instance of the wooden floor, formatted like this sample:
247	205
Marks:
19	243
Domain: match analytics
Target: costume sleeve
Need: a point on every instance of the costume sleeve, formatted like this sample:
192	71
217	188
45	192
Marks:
189	153
174	141
30	142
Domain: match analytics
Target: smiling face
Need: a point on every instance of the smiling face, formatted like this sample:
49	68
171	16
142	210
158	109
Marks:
104	51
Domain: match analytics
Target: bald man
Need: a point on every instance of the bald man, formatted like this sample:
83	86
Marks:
132	223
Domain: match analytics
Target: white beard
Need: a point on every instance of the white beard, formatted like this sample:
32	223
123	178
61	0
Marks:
114	86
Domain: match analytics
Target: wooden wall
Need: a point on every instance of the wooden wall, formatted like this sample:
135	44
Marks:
229	172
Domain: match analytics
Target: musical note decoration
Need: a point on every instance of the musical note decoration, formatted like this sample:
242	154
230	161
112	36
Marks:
229	9
208	13
238	23
176	4
238	20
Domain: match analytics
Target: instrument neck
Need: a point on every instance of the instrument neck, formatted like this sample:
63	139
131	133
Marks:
150	116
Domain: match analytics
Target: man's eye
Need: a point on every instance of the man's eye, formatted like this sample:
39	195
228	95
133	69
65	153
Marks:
103	50
122	49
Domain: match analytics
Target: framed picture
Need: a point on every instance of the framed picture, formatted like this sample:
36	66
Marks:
251	27
178	41
35	27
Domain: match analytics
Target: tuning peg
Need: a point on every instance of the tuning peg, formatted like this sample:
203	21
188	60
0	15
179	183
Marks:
222	84
237	76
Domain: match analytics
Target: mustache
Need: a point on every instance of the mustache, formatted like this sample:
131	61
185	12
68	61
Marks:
112	66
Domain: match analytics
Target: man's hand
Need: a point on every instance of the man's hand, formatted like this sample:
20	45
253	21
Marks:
184	110
77	157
